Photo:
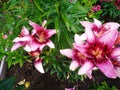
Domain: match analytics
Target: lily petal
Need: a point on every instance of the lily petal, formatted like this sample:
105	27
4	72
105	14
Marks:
33	32
50	44
41	47
74	65
112	26
38	65
90	25
44	23
16	46
86	68
89	74
50	32
81	48
90	35
35	26
25	38
86	24
24	31
33	45
70	88
118	39
109	37
98	23
107	68
115	52
67	52
79	39
27	48
118	71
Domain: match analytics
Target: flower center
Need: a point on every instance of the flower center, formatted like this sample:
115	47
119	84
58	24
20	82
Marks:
81	56
97	53
41	37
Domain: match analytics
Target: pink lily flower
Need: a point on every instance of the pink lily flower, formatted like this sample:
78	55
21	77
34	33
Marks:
42	35
78	58
98	50
25	40
39	38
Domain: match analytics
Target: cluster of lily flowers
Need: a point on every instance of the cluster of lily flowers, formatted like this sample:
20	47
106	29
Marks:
97	48
35	41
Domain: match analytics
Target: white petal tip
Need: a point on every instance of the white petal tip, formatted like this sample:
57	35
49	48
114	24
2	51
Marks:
72	69
74	65
80	73
38	66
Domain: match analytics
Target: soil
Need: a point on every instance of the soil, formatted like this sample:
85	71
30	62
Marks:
45	81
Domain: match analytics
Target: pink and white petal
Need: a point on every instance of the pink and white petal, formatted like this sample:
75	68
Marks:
86	68
74	65
115	52
89	74
118	71
50	44
33	32
16	46
112	26
67	52
44	23
90	35
17	39
27	48
33	45
107	68
81	48
24	31
42	46
109	37
87	24
38	65
80	38
118	39
36	26
98	23
25	38
70	88
50	32
118	59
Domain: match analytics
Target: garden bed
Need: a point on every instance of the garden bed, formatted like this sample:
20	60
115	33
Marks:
45	81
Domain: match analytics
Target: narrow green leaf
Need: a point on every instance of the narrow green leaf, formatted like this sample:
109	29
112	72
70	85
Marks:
66	21
36	3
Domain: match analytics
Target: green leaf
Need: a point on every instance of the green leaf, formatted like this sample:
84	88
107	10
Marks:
36	3
22	87
7	84
9	61
66	21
